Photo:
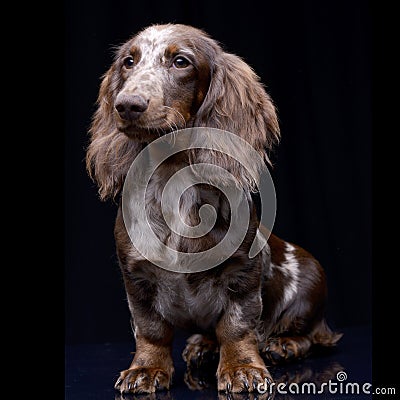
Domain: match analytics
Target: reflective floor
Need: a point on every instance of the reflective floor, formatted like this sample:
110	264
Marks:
345	373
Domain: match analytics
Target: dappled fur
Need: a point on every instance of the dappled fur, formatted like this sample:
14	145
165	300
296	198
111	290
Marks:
249	307
235	101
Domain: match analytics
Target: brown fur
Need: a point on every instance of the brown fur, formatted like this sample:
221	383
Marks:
243	305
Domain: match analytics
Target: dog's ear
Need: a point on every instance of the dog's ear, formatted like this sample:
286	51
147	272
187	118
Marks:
110	153
237	102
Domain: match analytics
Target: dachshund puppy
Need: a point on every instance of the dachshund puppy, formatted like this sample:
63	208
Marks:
248	310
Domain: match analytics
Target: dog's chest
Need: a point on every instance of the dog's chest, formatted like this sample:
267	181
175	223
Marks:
173	213
186	306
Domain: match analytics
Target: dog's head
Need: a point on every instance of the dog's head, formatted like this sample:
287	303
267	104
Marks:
169	77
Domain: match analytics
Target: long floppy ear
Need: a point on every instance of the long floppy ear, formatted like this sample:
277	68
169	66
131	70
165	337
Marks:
237	102
110	152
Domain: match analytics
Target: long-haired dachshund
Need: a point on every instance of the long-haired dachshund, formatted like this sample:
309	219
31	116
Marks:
269	307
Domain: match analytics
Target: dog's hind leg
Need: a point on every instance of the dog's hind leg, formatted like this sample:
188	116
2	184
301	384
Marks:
294	298
278	349
201	355
200	350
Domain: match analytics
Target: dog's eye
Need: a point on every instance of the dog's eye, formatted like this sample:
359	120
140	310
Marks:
129	62
181	62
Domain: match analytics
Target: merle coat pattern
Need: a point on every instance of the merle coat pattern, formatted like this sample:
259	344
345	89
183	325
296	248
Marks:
251	311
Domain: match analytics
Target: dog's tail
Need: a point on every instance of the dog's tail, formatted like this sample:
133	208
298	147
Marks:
322	335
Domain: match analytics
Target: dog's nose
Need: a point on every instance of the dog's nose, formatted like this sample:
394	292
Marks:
130	107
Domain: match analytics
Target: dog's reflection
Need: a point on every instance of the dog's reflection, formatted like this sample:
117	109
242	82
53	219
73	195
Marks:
202	382
164	395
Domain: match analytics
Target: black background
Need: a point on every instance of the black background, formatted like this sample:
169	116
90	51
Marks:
315	58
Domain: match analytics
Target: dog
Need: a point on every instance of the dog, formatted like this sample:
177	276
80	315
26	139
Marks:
269	308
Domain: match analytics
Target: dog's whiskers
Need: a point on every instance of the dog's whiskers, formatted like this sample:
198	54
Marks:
179	115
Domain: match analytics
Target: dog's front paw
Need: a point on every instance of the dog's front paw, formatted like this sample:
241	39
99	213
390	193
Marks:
243	378
143	380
